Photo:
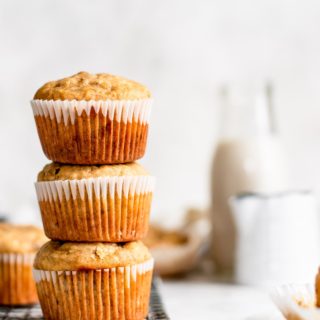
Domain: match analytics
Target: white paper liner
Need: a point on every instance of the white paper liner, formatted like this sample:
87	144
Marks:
120	186
112	293
120	110
17	286
17	258
133	271
286	298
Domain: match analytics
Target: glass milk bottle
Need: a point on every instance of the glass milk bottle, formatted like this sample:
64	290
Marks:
248	158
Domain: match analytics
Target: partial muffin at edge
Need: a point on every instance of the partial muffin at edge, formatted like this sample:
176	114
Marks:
18	245
16	238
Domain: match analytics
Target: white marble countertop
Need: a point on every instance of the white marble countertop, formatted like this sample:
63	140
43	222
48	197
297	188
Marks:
199	299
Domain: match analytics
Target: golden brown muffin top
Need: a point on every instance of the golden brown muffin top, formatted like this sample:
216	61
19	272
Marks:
56	171
64	256
20	238
86	86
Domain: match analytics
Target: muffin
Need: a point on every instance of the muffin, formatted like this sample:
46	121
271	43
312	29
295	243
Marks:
296	301
93	280
109	203
317	289
18	245
92	119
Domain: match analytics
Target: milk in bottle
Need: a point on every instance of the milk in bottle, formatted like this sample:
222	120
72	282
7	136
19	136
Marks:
249	157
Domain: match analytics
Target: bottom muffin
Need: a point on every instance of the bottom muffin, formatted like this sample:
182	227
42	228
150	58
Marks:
93	280
18	246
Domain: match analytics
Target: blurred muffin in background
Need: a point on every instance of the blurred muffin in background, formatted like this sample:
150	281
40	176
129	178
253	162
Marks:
18	246
160	237
179	250
298	301
317	288
92	119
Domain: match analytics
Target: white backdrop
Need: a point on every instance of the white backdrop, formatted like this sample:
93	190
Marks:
182	50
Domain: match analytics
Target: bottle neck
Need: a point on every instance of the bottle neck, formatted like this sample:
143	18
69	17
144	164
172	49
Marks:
245	114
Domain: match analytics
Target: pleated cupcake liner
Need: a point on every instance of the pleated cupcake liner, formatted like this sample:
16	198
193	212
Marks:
296	302
92	132
110	209
114	293
17	286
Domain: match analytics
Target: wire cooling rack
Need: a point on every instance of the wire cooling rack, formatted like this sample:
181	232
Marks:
34	312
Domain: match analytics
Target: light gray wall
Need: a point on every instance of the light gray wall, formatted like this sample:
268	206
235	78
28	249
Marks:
182	49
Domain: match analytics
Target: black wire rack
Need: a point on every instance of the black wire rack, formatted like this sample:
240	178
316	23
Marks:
34	312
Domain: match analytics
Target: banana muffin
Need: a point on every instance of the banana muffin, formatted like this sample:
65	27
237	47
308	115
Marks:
92	119
18	246
95	203
93	280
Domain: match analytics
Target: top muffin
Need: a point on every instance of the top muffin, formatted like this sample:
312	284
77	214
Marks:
20	238
86	86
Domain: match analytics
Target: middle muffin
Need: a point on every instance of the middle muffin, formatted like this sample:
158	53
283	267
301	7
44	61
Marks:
108	203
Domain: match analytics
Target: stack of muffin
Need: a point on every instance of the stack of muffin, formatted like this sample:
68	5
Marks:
94	199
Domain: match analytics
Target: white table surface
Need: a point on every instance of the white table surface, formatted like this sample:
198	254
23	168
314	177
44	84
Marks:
200	299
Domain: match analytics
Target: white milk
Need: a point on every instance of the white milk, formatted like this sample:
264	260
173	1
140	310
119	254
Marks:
248	158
